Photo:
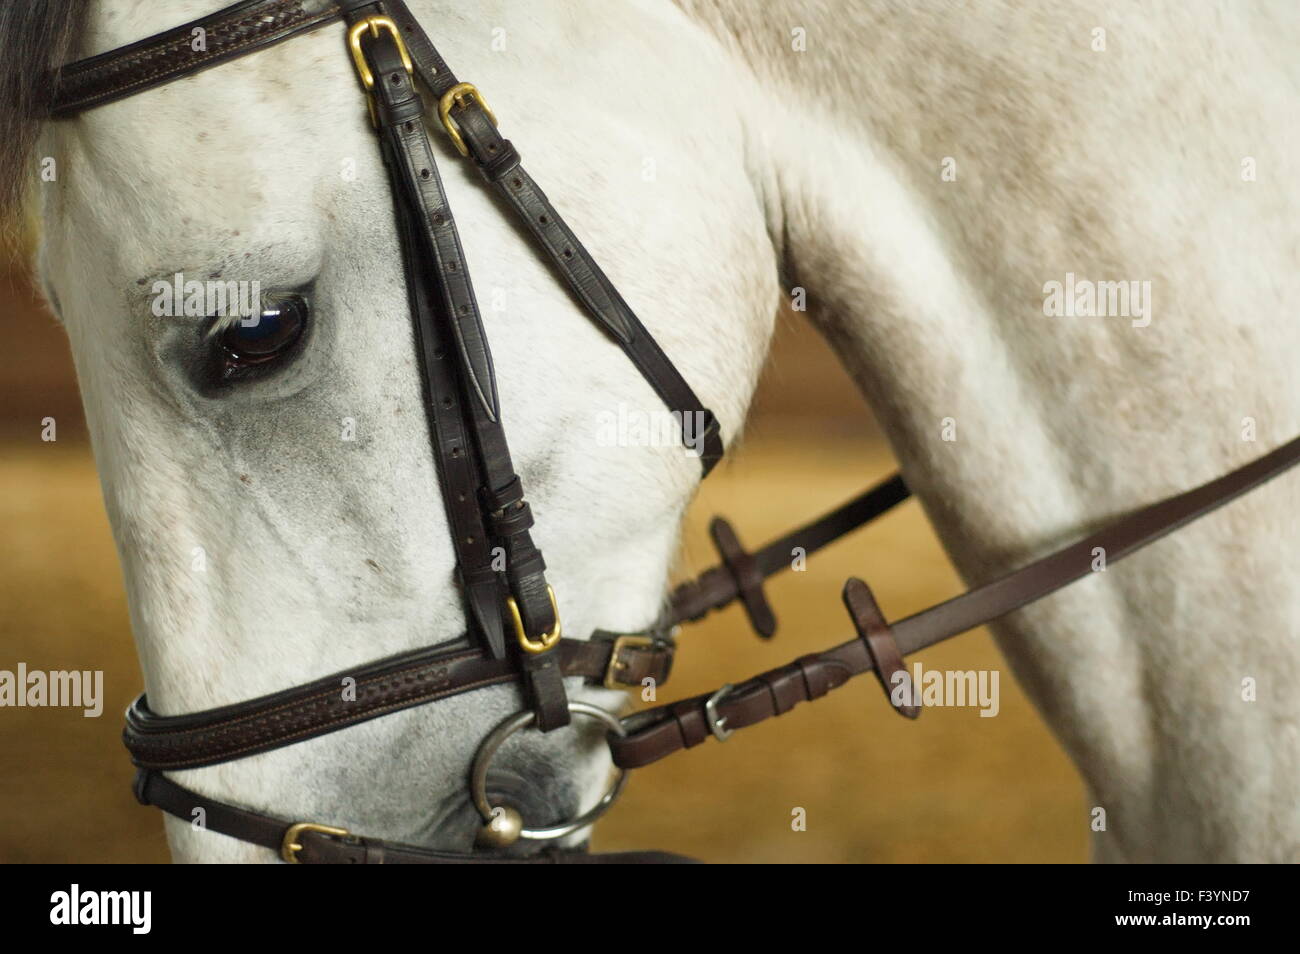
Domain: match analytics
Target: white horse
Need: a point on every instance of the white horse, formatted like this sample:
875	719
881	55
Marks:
923	171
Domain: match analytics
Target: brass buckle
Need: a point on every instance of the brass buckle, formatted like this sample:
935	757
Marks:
289	846
459	95
373	23
546	640
621	643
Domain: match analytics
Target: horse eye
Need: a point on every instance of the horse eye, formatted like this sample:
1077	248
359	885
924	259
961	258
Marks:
267	335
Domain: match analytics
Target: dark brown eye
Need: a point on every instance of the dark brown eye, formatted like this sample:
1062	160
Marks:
267	335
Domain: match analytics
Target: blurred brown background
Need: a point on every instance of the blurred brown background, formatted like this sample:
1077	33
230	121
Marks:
951	787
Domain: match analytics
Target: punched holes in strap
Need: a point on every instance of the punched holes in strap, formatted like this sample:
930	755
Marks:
511	521
881	645
747	576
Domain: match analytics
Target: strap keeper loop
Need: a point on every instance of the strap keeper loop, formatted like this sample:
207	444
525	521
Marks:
504	161
512	520
512	493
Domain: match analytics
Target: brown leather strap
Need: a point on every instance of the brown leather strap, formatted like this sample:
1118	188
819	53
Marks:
742	574
457	468
349	697
310	845
225	35
886	658
499	162
743	569
450	332
661	731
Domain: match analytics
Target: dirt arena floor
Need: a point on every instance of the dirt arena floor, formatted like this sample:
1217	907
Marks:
951	787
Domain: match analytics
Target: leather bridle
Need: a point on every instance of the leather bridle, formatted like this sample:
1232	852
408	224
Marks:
513	620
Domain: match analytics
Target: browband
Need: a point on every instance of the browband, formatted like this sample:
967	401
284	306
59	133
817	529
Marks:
189	48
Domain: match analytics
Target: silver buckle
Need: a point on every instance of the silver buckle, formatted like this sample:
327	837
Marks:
718	724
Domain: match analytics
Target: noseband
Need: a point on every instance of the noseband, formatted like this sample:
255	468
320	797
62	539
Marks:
513	618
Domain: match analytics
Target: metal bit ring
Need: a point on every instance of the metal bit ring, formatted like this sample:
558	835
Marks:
520	720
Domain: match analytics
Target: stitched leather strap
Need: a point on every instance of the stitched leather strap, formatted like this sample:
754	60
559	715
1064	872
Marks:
352	696
457	468
447	316
656	733
181	51
310	846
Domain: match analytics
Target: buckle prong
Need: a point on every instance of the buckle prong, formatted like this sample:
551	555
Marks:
460	95
373	23
718	724
614	667
543	642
